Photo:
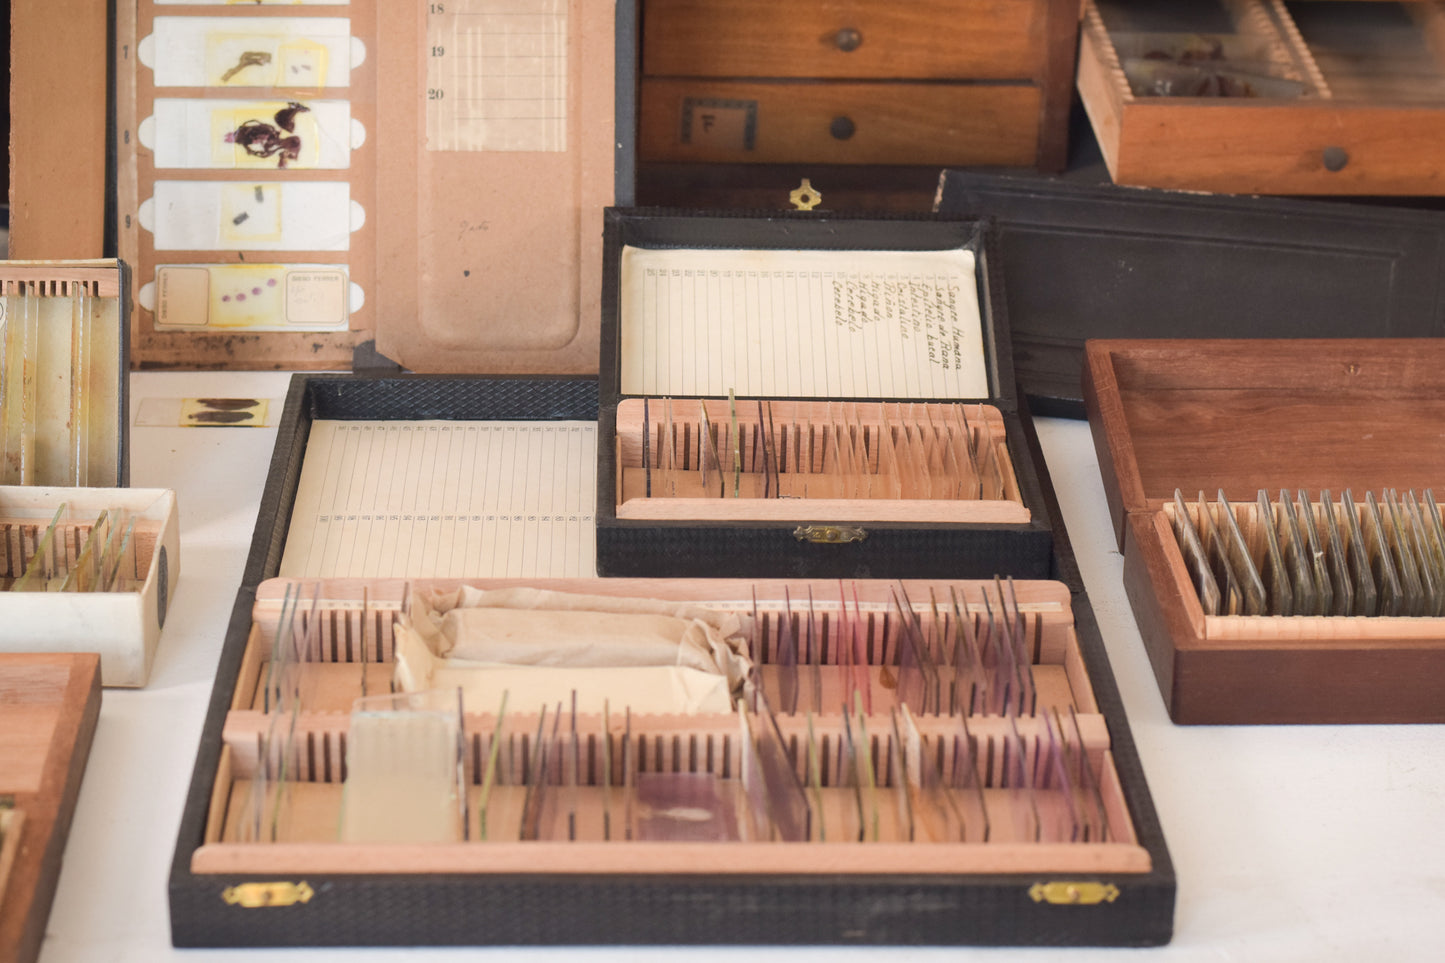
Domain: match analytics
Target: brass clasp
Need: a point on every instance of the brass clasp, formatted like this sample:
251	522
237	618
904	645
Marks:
256	895
1063	893
829	534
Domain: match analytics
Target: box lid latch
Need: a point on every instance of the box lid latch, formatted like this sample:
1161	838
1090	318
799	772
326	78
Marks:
257	895
829	534
1067	893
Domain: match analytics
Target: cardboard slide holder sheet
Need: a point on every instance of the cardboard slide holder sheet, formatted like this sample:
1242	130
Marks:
297	180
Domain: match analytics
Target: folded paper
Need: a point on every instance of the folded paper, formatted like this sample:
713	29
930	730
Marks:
541	647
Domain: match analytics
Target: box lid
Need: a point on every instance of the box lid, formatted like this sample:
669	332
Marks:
1245	415
1099	261
897	304
449	219
63	373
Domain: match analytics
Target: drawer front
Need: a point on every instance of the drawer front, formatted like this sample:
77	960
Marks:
1265	148
839	123
914	39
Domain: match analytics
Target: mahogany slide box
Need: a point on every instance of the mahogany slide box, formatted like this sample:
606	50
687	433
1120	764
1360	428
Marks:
1242	416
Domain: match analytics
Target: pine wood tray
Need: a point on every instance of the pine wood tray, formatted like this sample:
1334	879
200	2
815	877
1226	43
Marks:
1241	416
314	889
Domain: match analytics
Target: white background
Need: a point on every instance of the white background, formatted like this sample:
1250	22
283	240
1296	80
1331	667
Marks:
1305	843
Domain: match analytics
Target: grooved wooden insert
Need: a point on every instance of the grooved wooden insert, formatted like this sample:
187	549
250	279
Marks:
335	658
790	469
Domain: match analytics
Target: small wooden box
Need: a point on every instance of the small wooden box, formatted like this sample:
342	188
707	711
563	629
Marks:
1009	532
1270	414
49	705
1370	119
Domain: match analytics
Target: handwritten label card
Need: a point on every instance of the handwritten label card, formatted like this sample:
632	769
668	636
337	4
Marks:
802	324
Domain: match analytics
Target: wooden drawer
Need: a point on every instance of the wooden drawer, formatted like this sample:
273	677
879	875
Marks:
1371	122
920	39
839	123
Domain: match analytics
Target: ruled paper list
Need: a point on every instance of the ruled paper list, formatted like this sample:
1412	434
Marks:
445	499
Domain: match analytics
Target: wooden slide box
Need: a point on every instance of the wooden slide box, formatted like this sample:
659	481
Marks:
1271	414
306	888
49	705
124	627
1374	122
1008	534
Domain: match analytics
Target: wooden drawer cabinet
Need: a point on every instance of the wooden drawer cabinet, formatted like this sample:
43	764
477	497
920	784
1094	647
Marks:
929	82
1360	110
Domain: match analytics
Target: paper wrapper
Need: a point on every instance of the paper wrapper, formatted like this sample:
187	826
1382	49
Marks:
542	646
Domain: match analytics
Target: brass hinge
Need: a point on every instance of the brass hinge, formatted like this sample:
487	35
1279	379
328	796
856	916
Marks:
829	534
1074	894
256	895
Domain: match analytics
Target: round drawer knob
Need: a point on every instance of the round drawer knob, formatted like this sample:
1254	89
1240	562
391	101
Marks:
847	40
842	128
1335	158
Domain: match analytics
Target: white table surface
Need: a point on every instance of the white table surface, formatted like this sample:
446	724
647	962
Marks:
1290	843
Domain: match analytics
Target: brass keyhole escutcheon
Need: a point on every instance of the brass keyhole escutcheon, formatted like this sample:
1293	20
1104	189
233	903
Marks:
805	196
